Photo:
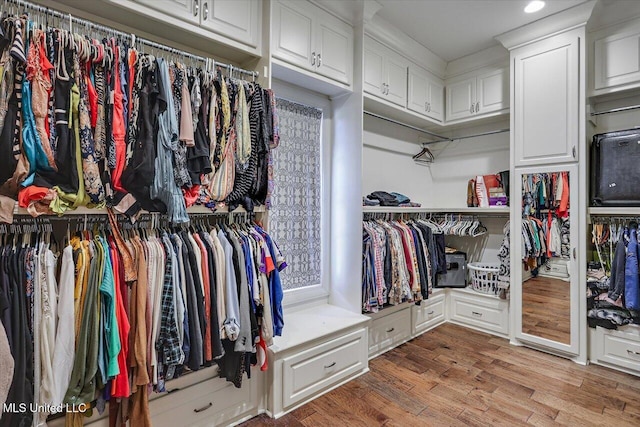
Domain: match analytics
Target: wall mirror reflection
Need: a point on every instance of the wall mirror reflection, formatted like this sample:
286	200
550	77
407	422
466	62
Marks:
546	253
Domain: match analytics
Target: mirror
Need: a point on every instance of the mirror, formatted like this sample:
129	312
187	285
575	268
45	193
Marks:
546	252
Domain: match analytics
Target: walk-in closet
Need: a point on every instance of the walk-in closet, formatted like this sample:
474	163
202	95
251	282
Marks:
319	212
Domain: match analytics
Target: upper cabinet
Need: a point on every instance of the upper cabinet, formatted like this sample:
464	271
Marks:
546	89
477	94
425	93
385	73
235	19
238	19
307	37
616	53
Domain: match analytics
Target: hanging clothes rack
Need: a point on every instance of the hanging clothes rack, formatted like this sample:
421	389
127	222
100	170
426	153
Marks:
493	132
408	126
615	110
48	12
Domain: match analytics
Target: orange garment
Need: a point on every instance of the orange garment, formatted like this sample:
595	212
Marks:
137	316
117	124
130	268
31	193
38	67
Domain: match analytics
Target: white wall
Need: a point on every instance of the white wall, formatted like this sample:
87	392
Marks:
387	163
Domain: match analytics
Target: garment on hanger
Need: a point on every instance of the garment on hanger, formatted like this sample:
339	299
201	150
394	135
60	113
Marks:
81	333
95	122
400	262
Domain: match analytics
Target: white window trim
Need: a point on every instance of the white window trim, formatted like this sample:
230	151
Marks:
317	292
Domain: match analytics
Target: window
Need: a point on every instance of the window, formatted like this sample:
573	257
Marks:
295	216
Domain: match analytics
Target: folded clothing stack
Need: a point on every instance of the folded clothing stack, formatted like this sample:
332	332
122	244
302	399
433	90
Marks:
383	198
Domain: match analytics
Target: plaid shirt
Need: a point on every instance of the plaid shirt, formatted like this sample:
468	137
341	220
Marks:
168	344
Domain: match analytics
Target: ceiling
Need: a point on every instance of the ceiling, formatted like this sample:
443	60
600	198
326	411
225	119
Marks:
455	28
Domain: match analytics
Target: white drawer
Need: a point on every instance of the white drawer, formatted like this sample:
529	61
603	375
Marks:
483	312
428	314
209	403
310	371
620	348
389	331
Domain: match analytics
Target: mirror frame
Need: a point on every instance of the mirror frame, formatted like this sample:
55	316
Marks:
573	348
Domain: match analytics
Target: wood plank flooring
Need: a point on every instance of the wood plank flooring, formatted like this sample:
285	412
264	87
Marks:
546	310
453	376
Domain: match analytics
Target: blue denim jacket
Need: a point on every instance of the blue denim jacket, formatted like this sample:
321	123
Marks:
631	284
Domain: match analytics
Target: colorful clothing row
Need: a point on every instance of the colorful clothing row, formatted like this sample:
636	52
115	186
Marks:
87	122
117	314
400	262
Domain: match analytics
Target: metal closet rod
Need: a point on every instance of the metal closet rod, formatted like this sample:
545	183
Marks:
54	13
377	116
616	110
492	132
442	138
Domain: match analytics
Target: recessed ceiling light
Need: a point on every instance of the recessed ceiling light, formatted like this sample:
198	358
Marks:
534	6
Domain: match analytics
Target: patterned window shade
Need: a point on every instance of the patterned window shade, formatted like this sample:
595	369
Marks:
295	214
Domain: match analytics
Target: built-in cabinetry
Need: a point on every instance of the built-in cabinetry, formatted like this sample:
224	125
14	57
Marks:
616	56
323	348
483	312
385	73
237	20
547	143
618	349
546	110
305	36
425	93
477	94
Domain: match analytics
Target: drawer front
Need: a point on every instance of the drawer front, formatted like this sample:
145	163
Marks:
489	315
428	314
212	402
319	367
389	331
620	347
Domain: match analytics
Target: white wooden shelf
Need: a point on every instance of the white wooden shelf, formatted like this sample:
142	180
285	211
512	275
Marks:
613	211
197	209
465	210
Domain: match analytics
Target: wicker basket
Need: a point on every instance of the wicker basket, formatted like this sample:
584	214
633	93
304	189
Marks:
484	277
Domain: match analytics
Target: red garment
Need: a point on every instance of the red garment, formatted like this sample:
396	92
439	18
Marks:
191	195
117	124
563	209
31	194
120	384
46	66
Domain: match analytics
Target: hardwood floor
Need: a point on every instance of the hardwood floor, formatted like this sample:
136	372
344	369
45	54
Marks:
546	309
453	376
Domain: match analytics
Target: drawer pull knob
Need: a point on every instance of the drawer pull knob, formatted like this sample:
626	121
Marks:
391	330
636	353
475	313
330	366
204	408
430	312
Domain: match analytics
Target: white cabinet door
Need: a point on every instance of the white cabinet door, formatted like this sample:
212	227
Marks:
187	10
292	33
425	93
617	58
396	78
236	19
334	49
435	98
546	93
418	93
492	91
461	99
374	68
